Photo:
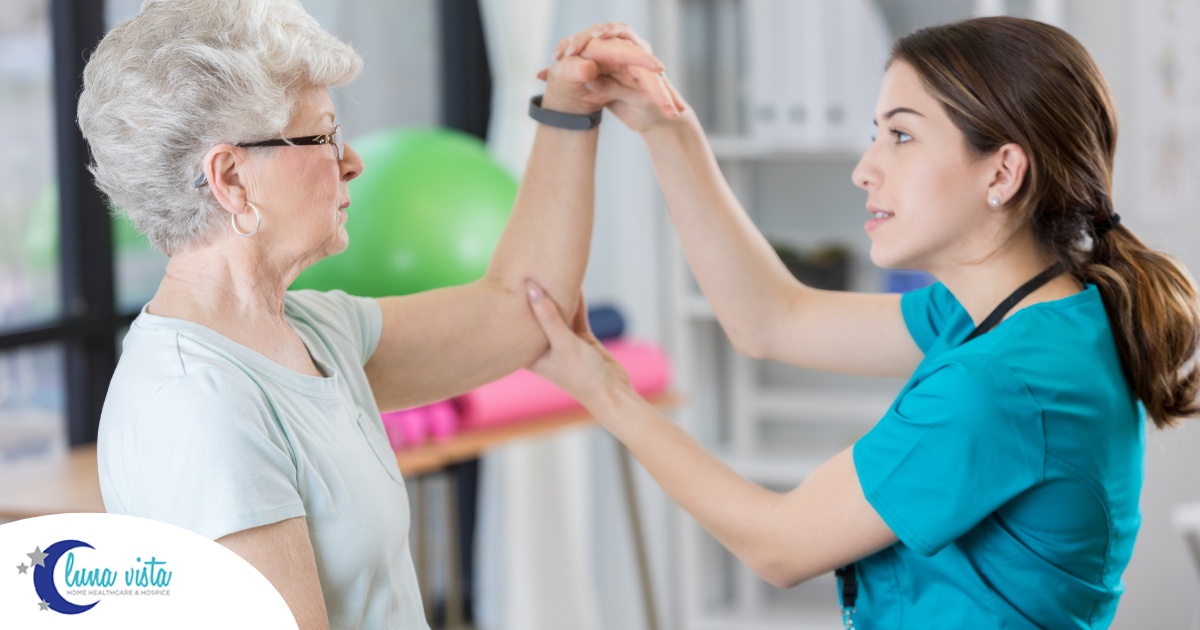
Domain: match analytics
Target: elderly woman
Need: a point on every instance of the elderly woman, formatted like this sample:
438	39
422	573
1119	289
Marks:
250	414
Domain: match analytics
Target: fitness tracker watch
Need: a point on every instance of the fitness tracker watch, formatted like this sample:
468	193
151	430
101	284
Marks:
562	120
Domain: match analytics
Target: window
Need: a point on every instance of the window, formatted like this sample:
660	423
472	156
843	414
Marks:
31	383
58	323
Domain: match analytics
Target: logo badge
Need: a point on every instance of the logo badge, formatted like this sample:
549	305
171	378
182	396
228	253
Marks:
115	570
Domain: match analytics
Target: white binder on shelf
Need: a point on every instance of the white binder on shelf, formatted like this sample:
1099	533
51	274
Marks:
865	42
812	73
837	27
726	102
762	89
800	77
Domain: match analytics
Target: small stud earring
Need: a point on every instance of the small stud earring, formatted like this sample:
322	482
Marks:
995	201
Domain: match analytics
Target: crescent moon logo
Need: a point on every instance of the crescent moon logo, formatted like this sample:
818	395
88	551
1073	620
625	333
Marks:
43	579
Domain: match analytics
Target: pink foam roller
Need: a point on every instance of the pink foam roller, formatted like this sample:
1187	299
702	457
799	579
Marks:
524	395
409	427
443	420
648	366
391	428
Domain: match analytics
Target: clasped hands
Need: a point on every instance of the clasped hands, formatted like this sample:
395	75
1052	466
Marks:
610	65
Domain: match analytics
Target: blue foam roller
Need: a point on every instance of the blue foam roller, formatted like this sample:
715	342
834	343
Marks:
606	322
903	280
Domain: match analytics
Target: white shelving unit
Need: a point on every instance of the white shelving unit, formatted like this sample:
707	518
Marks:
775	424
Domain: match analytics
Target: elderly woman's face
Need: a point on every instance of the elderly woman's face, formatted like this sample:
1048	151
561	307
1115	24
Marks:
302	190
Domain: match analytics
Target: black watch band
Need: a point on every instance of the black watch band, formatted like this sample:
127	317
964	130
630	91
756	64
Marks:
562	120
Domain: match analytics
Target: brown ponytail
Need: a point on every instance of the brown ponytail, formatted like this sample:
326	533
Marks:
1151	304
1008	80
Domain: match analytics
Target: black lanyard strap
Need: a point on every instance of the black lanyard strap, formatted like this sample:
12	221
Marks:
847	573
1051	272
849	594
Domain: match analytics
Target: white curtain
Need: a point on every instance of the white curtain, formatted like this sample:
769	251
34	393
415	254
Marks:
519	42
553	549
532	569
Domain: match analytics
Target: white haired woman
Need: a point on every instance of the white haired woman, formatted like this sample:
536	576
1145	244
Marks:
250	414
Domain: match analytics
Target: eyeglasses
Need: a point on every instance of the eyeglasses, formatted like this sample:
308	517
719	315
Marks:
332	138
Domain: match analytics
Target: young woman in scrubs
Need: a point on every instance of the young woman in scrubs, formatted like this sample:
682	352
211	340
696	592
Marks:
1000	489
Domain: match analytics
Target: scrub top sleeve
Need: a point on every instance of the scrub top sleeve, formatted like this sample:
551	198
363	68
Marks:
953	448
927	312
207	454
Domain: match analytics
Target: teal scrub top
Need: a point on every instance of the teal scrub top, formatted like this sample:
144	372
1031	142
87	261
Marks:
1009	467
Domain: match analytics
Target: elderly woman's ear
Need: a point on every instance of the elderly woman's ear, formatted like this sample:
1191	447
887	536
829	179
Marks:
223	167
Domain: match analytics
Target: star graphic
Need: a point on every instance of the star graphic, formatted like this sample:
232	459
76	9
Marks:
37	557
22	569
43	606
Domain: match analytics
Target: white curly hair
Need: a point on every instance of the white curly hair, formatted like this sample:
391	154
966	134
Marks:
182	76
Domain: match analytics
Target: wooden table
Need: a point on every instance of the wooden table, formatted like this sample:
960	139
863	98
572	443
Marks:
437	458
61	485
71	484
463	447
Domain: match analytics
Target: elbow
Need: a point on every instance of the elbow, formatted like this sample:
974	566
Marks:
569	302
753	334
782	584
783	578
779	576
566	297
513	285
511	298
748	344
779	570
757	331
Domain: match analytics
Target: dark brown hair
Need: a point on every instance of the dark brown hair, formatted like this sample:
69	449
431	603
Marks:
1009	80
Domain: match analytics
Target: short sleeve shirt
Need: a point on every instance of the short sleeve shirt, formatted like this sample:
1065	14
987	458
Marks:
204	433
1009	467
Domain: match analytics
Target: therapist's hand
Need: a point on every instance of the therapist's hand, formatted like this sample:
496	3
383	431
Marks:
567	81
576	361
570	45
640	98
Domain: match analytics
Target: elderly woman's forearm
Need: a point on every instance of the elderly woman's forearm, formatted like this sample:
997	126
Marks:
550	229
445	342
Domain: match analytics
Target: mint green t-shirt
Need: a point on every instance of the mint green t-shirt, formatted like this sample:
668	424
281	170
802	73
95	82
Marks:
1009	467
209	435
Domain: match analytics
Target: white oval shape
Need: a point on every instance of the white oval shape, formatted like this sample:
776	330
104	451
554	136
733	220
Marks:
117	571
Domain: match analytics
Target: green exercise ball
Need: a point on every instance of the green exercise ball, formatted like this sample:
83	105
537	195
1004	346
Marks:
426	213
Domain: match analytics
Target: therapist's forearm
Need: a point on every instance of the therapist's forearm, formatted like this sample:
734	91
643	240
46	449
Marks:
734	510
734	264
550	229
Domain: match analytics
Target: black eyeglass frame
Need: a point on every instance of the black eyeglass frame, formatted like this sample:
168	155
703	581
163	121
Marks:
334	137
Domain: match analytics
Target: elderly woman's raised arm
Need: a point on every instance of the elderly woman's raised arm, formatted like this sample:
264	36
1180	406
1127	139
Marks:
441	343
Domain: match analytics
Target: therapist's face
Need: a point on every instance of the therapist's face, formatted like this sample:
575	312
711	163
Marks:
926	191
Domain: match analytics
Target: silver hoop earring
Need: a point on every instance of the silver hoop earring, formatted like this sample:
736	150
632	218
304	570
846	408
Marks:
257	222
995	201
